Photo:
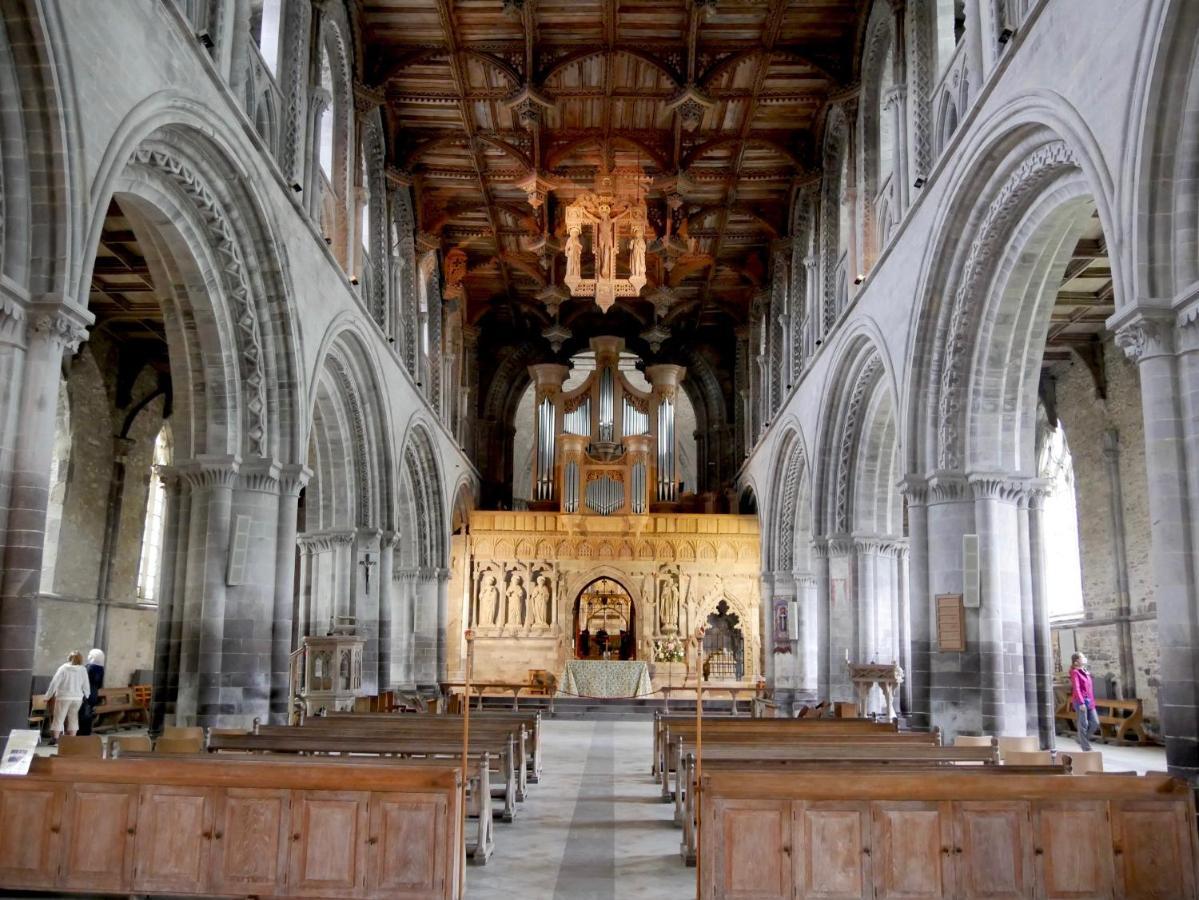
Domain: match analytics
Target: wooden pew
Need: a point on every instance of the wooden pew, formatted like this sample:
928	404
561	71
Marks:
232	827
1119	720
776	731
945	834
118	706
442	727
289	739
531	719
663	723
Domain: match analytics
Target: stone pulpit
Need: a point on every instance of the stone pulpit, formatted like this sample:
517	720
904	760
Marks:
332	672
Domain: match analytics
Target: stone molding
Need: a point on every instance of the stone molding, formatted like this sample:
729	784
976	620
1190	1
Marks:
915	489
1031	176
211	472
12	319
948	487
233	269
293	477
997	486
1147	336
60	323
259	475
320	541
850	435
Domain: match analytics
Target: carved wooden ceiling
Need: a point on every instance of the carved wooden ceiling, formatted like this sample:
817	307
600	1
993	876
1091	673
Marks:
716	101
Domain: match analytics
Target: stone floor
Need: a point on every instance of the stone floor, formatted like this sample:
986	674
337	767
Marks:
594	827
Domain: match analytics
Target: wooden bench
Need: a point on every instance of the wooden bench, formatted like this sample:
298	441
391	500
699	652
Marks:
119	706
531	719
288	739
232	827
441	728
1119	720
945	834
843	766
663	723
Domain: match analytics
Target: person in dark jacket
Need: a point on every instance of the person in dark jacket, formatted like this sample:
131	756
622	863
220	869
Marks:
95	679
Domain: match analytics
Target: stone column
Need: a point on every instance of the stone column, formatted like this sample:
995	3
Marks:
403	582
292	479
904	599
296	59
807	647
26	449
1046	725
210	481
1169	391
112	528
1111	463
865	554
770	671
954	702
470	385
820	571
844	616
172	579
387	557
920	601
366	582
1001	628
302	626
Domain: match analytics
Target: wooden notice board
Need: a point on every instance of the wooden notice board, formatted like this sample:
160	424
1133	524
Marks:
951	623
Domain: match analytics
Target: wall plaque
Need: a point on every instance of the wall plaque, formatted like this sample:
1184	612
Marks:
951	623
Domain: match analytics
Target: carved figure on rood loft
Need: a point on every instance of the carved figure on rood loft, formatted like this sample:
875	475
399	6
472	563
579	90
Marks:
669	604
489	600
542	596
516	601
614	211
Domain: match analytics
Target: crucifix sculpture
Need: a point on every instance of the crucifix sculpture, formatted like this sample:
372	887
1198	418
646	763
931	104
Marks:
617	218
367	564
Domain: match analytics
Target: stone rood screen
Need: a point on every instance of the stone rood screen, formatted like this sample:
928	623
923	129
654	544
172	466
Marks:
605	448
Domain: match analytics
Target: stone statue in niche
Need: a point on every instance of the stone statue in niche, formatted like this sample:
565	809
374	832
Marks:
540	602
344	670
489	600
668	602
516	600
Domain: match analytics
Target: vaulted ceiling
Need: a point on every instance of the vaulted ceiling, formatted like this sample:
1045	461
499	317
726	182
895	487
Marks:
716	101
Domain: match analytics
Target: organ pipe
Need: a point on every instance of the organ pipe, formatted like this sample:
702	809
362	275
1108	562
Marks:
545	450
605	405
666	482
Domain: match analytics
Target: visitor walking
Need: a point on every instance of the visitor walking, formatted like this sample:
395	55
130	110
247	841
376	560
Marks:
67	689
95	678
1082	698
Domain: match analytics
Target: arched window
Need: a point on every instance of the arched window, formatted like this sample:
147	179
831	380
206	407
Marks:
886	128
1063	566
59	466
266	18
156	499
325	125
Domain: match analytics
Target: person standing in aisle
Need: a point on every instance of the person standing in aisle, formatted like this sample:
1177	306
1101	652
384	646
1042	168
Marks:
67	689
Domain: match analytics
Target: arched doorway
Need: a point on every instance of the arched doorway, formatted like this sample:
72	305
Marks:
605	621
724	646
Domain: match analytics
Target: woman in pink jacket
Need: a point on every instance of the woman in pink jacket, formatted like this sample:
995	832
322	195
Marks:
1082	698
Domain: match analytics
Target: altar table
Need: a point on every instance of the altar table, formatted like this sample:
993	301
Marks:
605	678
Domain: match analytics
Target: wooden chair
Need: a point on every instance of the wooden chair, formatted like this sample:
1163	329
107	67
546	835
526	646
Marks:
129	743
39	713
1084	761
81	745
1028	758
176	745
972	740
1010	745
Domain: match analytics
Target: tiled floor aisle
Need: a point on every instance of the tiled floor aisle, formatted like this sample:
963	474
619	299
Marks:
594	827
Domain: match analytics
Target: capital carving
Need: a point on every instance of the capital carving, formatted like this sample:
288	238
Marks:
209	472
12	319
1146	337
64	326
948	487
915	489
997	486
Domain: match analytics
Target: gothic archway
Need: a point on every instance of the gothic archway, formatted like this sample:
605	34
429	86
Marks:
605	620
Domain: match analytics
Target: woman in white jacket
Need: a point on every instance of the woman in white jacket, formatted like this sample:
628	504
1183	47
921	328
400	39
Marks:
67	688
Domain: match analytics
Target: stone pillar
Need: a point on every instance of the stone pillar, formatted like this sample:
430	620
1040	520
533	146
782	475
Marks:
921	619
292	479
295	56
470	384
954	700
1032	714
865	552
1000	624
807	647
112	529
844	616
302	626
820	571
210	481
1170	400
777	676
403	634
387	557
168	638
1111	462
366	581
32	341
903	599
1046	706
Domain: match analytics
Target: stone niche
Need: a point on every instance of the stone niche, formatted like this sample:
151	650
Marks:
517	578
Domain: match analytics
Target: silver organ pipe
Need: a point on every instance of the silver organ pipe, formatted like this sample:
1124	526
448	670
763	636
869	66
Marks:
606	405
578	420
636	421
666	482
638	500
605	495
570	499
545	450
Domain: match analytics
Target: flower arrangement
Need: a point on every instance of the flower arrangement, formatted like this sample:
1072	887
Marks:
669	649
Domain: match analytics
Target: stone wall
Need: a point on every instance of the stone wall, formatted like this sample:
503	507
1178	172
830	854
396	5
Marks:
1101	432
